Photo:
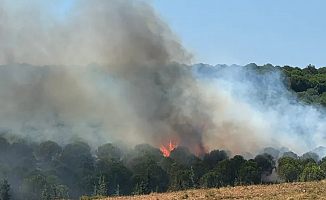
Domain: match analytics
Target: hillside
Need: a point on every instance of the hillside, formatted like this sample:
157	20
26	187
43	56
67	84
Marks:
285	191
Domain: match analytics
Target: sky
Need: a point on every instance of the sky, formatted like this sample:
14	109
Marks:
291	32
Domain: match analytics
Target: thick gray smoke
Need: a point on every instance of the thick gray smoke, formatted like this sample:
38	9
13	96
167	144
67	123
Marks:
136	92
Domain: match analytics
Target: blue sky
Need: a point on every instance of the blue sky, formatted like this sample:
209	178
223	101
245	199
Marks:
283	32
291	32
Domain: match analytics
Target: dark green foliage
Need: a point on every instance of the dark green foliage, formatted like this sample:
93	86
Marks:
288	169
214	157
250	173
211	179
322	165
271	151
236	163
310	155
108	151
166	164
148	151
33	187
140	183
290	154
312	173
48	150
75	154
46	193
309	83
199	169
101	187
183	156
117	191
227	169
180	178
5	191
266	163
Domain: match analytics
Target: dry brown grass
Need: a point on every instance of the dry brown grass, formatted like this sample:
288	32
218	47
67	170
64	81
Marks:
285	191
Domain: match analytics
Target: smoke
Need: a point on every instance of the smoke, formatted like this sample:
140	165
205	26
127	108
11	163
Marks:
259	111
132	91
113	70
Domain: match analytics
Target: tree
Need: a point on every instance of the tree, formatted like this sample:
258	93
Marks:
5	190
19	150
75	154
312	173
249	173
310	155
46	193
199	169
101	187
140	189
322	165
288	169
266	163
33	186
108	151
310	69
62	192
48	150
214	157
140	185
166	164
236	163
148	151
117	191
211	179
116	172
183	156
180	178
4	148
225	168
290	154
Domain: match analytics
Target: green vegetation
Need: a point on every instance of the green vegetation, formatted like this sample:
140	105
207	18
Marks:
73	172
309	83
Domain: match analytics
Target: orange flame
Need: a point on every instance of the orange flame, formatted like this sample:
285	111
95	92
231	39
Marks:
205	148
203	132
199	151
166	149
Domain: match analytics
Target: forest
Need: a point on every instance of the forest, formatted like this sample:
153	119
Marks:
48	171
308	84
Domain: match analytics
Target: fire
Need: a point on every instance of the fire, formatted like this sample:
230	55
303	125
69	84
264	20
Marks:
205	148
189	137
200	150
166	149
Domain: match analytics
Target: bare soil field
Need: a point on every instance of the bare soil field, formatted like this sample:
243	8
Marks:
284	191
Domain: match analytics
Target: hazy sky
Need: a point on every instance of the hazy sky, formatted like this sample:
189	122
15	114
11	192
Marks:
291	32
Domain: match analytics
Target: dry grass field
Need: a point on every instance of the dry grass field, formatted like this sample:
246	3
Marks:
284	191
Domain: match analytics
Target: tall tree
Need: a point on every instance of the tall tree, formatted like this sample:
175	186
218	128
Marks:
46	194
5	190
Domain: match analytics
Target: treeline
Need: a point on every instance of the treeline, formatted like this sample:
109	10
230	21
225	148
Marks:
48	171
309	83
